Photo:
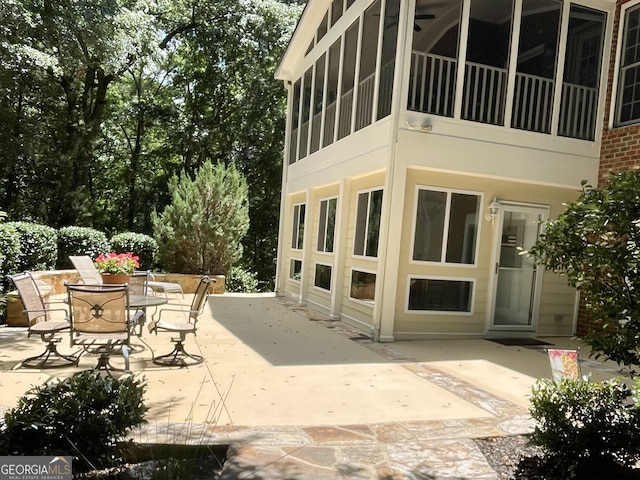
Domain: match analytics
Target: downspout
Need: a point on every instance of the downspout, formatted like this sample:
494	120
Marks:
279	282
391	163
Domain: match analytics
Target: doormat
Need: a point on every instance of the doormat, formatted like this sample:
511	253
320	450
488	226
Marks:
520	342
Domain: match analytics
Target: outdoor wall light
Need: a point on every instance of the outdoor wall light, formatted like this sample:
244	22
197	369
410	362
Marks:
493	210
425	127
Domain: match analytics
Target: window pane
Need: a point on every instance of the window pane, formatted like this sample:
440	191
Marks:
632	37
295	269
430	215
296	226
463	224
336	11
440	295
322	29
436	30
389	39
323	276
368	56
306	110
536	68
316	121
348	80
322	226
373	229
301	226
295	118
363	285
487	61
331	224
579	103
361	223
332	93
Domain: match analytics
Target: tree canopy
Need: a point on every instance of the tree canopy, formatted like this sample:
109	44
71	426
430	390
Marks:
102	102
596	244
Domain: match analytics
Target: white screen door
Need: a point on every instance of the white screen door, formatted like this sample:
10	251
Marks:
516	279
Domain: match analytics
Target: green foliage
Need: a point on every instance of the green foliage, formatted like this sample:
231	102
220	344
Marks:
86	414
596	244
200	232
584	425
240	280
10	248
38	246
144	246
80	241
148	90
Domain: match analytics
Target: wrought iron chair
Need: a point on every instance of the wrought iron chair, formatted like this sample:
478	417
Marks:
100	319
179	356
40	322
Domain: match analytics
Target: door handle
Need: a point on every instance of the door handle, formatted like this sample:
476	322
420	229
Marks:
497	267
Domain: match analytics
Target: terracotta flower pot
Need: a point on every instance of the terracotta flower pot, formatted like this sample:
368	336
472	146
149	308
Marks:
115	278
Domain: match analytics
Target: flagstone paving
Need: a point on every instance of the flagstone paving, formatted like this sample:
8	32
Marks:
298	396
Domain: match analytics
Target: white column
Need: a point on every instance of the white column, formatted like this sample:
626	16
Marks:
340	249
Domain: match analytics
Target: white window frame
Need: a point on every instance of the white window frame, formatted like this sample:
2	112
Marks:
617	77
326	223
315	265
366	227
472	299
294	259
357	300
296	242
445	238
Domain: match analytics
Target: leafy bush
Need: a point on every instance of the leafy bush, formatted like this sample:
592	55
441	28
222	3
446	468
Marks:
144	246
38	246
240	280
80	241
586	426
85	414
200	232
10	248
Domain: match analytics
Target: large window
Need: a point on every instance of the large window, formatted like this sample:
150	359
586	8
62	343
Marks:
322	278
629	90
295	269
446	226
297	235
327	224
367	230
363	286
441	295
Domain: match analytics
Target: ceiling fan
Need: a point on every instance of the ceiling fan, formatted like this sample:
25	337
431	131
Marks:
419	16
422	16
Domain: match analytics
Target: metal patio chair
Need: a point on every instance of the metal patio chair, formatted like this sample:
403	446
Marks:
87	270
179	356
100	320
40	322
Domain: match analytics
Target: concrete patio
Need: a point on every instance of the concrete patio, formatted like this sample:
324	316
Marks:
298	396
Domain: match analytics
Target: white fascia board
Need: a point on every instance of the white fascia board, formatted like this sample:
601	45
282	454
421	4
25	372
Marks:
303	34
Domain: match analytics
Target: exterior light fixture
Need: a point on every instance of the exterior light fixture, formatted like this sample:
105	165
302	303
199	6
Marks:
493	210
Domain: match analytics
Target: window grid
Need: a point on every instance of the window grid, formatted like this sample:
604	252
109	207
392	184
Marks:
629	94
297	235
326	225
367	226
447	252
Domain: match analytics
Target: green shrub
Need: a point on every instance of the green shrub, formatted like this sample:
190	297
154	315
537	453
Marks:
83	416
38	246
144	246
9	255
80	241
240	280
201	230
585	426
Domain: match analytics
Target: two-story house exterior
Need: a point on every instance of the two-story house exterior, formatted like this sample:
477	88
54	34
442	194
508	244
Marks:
426	143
